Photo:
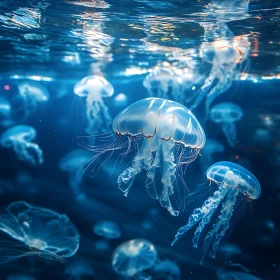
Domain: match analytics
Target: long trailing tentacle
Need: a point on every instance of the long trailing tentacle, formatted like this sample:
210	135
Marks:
229	130
200	214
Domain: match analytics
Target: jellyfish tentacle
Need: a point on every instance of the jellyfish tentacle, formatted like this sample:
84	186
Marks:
106	115
229	130
223	224
199	213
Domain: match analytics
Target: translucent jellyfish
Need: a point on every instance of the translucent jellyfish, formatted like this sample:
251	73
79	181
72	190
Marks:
165	136
120	100
72	163
166	270
19	138
211	147
227	114
134	256
5	112
236	275
95	88
232	180
78	269
37	231
229	250
107	229
32	93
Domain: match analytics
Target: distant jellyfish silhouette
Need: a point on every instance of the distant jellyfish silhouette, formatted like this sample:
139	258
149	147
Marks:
134	256
19	138
236	275
72	163
229	250
5	112
95	88
227	114
107	229
120	100
232	180
37	231
32	93
166	270
78	269
211	147
165	134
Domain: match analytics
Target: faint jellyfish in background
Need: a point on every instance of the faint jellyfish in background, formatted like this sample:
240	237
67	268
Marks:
211	147
19	138
37	231
102	245
262	137
79	269
164	136
232	180
32	93
227	114
236	275
107	229
18	276
95	88
267	233
5	112
166	270
228	251
120	100
133	257
72	163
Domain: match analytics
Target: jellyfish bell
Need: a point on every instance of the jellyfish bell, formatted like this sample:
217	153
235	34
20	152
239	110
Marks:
134	256
227	114
78	269
166	270
46	233
5	112
166	136
107	229
19	138
232	180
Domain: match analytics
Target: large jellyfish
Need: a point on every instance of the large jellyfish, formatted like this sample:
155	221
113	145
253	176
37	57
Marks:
72	163
32	93
19	138
95	88
134	256
232	180
165	135
5	112
40	231
227	114
107	229
211	147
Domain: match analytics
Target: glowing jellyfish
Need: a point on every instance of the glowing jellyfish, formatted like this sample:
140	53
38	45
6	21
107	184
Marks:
19	138
227	114
211	147
72	163
166	136
166	270
5	112
32	93
78	269
120	100
107	229
95	88
134	256
40	231
232	180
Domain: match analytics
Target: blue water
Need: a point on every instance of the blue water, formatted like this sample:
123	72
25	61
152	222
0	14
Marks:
196	53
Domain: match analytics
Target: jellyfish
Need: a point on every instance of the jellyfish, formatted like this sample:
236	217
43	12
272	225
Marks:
165	135
107	229
78	269
236	275
232	180
166	270
95	88
211	147
227	114
37	231
32	93
134	256
71	163
120	100
19	138
5	112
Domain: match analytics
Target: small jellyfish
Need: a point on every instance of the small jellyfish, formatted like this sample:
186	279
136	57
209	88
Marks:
134	256
19	138
211	147
95	88
232	180
227	114
107	229
32	93
72	163
5	112
37	231
236	275
120	100
166	270
78	269
164	136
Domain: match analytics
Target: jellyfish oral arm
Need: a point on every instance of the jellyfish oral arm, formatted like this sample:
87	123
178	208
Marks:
229	130
202	214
